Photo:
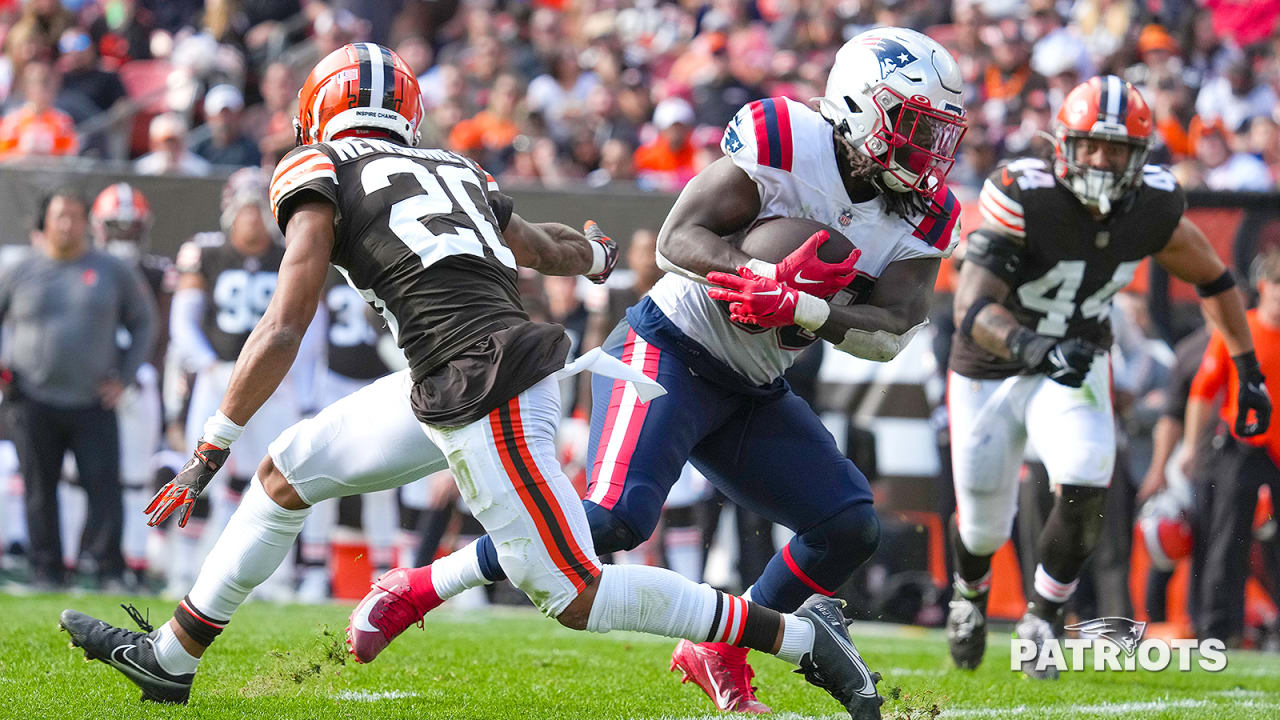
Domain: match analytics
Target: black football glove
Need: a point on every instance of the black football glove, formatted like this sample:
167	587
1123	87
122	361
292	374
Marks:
187	485
1253	396
1066	362
596	235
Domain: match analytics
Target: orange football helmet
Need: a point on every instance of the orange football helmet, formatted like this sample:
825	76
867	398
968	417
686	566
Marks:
360	85
1110	109
121	219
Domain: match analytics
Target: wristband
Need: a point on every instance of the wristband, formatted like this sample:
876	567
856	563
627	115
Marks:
763	269
811	311
1223	283
1018	340
1247	366
966	325
599	259
221	431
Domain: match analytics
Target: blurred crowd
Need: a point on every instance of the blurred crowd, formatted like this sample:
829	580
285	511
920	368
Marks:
558	92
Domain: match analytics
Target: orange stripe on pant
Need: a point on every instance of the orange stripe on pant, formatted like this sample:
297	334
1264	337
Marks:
550	529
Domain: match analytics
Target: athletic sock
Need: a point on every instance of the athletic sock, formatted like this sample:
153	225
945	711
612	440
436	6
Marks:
1049	595
453	573
797	639
255	542
661	602
173	658
972	589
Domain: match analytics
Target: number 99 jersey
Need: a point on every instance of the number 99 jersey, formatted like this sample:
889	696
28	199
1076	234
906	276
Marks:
1062	264
239	287
418	236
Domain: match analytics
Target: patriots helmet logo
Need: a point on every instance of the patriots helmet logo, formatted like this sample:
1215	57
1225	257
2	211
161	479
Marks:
1120	631
893	55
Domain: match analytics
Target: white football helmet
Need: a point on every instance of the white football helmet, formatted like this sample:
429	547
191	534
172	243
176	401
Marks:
895	95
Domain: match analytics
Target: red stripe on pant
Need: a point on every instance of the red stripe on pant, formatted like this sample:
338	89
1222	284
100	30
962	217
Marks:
795	570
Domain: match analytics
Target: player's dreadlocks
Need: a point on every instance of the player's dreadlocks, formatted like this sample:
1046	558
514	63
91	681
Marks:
906	205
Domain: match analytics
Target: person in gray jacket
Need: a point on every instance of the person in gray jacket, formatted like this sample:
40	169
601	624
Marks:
63	306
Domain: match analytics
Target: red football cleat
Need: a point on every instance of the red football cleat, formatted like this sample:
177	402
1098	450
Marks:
724	676
397	600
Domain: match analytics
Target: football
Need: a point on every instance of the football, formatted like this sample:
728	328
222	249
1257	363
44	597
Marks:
772	240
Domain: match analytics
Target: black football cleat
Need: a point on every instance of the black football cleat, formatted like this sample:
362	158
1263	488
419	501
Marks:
834	663
130	652
967	630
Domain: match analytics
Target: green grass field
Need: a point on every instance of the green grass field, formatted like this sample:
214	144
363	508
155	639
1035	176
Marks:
288	662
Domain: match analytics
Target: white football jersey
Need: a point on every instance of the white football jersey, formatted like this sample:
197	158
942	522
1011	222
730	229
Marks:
789	151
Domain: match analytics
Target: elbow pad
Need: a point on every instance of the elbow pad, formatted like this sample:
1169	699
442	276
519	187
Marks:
880	346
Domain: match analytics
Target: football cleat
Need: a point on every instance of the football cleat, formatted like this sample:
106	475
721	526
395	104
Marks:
726	680
834	663
1037	630
967	630
132	653
393	604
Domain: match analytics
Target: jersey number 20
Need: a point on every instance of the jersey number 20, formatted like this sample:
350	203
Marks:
409	216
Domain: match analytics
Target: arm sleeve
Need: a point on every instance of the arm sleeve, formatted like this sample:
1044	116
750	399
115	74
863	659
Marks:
1215	369
304	170
186	339
138	313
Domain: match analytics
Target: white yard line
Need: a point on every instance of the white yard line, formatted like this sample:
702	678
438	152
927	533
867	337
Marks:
374	696
1122	709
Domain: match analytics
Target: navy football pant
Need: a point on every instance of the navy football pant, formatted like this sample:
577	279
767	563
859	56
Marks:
772	456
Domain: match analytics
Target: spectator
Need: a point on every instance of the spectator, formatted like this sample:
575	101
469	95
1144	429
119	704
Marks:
717	94
80	72
615	164
1235	96
38	128
668	161
559	95
1223	168
169	154
122	32
226	144
487	136
1241	465
62	306
272	121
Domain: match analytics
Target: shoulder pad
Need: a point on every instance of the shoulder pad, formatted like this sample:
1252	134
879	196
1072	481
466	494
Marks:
761	134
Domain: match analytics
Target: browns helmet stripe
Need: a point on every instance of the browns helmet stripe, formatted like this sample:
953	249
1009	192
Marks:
388	78
1121	89
366	74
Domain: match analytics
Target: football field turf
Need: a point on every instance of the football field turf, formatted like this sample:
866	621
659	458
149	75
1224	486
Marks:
289	662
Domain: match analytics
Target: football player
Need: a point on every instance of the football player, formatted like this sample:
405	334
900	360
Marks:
1028	362
351	361
872	158
227	279
121	221
426	238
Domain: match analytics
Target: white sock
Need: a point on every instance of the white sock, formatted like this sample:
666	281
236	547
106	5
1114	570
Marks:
797	639
1051	589
457	571
255	542
379	518
171	655
672	605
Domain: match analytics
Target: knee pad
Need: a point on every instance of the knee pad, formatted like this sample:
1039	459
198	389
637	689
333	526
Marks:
981	539
853	533
609	532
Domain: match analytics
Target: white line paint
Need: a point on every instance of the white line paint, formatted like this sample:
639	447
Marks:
370	696
1120	709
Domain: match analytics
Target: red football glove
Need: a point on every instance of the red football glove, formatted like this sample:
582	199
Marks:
181	492
755	300
804	271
